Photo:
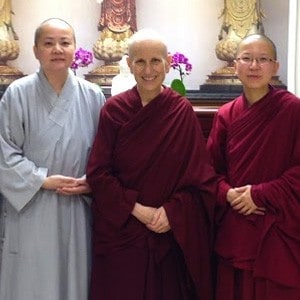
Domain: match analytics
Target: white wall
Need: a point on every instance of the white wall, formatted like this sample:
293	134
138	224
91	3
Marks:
276	24
83	15
190	27
293	78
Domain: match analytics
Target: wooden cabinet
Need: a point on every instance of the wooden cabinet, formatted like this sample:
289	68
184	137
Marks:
205	116
205	111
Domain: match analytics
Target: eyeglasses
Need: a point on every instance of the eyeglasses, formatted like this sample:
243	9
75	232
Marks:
259	60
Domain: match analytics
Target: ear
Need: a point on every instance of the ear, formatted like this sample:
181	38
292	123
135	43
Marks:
169	58
35	52
129	63
235	66
168	63
276	67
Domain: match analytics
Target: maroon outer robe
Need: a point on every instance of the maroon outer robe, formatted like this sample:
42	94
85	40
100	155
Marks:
155	155
260	145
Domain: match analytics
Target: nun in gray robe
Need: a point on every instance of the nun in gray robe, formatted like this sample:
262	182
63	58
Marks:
45	242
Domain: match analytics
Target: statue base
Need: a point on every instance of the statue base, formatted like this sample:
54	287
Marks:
103	75
9	74
223	83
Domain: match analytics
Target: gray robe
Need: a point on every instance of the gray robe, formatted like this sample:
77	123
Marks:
45	242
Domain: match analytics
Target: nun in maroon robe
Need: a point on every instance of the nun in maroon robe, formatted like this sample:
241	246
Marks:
154	155
153	187
255	149
259	145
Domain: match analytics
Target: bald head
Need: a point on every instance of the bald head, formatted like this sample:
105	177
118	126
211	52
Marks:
256	38
52	22
146	35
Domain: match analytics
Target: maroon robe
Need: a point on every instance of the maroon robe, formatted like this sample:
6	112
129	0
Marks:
154	155
260	145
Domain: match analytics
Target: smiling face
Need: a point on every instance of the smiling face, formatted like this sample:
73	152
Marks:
55	46
256	63
149	62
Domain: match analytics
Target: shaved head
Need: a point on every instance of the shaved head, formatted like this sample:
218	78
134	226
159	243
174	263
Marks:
257	37
52	21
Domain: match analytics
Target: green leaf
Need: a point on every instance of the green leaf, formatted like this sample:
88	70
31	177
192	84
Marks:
178	86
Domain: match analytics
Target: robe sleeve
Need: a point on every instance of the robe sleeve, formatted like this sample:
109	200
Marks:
279	194
197	177
283	193
111	198
281	197
190	210
20	178
191	221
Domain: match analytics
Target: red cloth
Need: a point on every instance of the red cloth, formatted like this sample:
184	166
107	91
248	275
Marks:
154	155
236	284
260	145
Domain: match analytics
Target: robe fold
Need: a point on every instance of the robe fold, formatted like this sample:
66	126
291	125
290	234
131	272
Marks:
45	249
154	155
260	145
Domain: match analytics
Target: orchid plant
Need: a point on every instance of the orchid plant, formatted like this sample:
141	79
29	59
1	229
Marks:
82	58
181	63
